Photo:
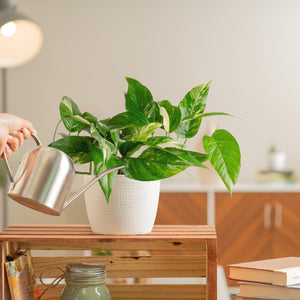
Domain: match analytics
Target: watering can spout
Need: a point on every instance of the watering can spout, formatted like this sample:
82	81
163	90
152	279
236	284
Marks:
90	183
44	178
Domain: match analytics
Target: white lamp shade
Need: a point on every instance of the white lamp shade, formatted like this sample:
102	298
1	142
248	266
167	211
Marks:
23	44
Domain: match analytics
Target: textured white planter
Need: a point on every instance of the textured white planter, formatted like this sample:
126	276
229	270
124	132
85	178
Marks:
277	161
131	210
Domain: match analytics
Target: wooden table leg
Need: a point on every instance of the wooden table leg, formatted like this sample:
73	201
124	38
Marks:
4	289
211	271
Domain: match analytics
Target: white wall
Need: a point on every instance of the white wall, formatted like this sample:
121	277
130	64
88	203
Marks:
249	48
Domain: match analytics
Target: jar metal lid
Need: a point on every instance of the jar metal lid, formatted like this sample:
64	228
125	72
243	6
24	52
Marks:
85	269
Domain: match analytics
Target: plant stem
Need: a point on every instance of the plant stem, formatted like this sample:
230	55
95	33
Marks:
56	128
78	172
179	131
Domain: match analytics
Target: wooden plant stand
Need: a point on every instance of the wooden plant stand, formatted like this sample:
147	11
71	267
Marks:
174	252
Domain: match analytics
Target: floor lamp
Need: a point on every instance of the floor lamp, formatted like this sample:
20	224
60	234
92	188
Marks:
20	41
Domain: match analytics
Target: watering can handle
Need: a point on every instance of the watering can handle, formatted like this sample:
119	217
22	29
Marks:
91	182
11	178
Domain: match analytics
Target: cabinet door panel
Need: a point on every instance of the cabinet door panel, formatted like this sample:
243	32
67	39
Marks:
240	226
182	209
286	232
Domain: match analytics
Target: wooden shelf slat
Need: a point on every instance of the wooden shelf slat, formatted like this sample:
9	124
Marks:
132	266
67	233
144	291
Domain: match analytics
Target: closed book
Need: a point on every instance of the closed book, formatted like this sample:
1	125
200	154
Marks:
278	271
238	297
261	290
276	176
20	276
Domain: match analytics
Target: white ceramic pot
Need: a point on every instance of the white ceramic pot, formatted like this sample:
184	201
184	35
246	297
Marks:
277	161
131	209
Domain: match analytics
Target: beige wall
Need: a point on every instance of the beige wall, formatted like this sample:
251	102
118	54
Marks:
249	48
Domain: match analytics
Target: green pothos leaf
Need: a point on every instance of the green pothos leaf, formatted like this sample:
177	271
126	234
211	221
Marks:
193	103
138	96
77	147
127	119
143	133
158	163
68	108
224	154
171	115
101	164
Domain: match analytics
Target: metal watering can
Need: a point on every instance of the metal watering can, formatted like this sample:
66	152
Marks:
44	178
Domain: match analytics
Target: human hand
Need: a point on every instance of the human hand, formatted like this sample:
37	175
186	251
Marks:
13	131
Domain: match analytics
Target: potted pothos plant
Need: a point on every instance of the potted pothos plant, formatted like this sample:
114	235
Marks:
148	138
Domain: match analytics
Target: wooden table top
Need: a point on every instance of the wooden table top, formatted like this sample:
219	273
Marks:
37	232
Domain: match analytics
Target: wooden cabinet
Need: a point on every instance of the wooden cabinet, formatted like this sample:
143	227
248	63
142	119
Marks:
250	225
182	209
253	226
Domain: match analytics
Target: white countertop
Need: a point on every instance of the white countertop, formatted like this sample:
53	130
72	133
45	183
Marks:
250	187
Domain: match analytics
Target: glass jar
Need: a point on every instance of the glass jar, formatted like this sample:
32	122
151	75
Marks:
85	281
